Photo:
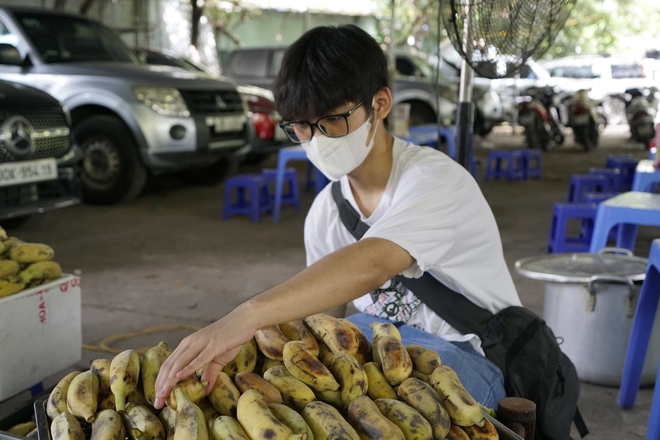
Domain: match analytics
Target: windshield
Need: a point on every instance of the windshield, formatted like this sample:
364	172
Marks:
61	39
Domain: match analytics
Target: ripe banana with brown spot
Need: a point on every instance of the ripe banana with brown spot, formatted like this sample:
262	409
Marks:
363	354
101	368
296	331
325	354
56	404
410	421
338	336
381	329
124	376
485	432
152	360
108	426
292	419
141	424
195	391
42	270
456	433
326	423
378	387
82	396
31	252
167	417
227	428
9	267
10	285
224	395
268	364
210	413
295	393
370	424
259	422
271	341
245	381
394	359
303	365
351	376
245	360
190	423
66	427
426	400
138	397
461	406
421	376
424	359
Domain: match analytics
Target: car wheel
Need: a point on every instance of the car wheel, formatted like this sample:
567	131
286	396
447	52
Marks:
210	175
421	114
112	171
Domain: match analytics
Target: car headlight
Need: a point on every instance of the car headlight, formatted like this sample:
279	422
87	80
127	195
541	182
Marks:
166	101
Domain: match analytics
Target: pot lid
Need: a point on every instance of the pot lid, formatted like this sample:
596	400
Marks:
581	267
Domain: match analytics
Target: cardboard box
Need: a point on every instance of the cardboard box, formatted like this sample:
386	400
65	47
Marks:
40	334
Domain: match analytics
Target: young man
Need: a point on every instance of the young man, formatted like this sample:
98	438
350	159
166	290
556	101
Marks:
425	212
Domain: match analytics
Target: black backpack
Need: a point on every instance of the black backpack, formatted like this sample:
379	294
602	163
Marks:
515	339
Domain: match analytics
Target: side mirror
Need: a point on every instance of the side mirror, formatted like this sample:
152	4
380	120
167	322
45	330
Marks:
9	55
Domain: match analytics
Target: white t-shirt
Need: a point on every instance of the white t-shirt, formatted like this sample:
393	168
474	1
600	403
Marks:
433	208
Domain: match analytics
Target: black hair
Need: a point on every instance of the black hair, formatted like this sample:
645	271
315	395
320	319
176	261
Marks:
329	67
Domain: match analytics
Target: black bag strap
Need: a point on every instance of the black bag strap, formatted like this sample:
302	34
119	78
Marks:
456	309
580	424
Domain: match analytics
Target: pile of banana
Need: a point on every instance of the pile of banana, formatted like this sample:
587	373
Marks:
316	378
25	265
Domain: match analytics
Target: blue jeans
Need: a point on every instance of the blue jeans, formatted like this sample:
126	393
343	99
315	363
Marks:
480	377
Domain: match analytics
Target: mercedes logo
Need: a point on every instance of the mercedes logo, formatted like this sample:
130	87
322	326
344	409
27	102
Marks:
220	103
17	135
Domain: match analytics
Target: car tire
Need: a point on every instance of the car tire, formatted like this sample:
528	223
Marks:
421	114
209	175
112	171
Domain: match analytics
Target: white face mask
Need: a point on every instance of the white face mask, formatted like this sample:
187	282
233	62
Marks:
336	157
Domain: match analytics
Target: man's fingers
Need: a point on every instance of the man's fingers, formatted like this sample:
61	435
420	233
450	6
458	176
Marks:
211	375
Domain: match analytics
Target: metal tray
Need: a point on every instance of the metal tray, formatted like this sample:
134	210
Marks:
41	418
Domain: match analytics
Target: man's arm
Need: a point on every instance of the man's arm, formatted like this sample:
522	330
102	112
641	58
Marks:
337	278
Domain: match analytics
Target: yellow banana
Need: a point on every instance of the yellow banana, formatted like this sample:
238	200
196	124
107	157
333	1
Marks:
190	422
395	360
337	336
224	395
421	376
167	417
9	267
268	364
296	331
410	421
137	397
378	387
245	360
485	432
39	271
11	284
227	428
66	427
331	397
3	233
82	396
351	376
11	242
424	399
23	429
303	365
364	416
424	359
294	392
152	360
195	391
292	419
325	354
271	341
108	426
363	354
124	375
381	329
101	368
31	253
326	423
143	424
258	421
461	406
246	380
56	404
210	413
456	433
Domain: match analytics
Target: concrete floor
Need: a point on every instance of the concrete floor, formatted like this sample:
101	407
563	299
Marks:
168	258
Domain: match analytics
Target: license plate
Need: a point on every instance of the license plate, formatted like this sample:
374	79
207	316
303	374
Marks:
224	124
581	119
15	173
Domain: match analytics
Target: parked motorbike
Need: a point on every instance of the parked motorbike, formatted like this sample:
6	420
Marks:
537	113
583	119
641	108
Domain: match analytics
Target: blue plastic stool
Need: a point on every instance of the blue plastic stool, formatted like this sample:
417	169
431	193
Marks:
557	240
259	197
640	336
626	165
315	179
531	163
613	175
449	134
505	164
612	159
646	181
291	197
581	184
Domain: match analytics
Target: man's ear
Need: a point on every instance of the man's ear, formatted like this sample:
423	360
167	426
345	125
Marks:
383	103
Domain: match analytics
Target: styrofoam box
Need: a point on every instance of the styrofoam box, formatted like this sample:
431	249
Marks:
40	334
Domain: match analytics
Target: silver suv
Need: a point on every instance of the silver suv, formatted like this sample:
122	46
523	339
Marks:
129	119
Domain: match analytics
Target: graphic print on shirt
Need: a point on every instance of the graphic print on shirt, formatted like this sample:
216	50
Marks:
393	301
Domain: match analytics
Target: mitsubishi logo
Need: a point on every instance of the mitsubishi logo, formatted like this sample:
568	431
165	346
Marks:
17	135
220	103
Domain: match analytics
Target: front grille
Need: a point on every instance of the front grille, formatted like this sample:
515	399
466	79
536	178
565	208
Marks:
42	119
43	147
33	194
228	136
204	102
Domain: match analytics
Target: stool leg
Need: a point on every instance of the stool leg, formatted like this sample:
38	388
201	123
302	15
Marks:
640	335
279	181
653	432
626	236
553	234
295	193
255	195
227	203
320	180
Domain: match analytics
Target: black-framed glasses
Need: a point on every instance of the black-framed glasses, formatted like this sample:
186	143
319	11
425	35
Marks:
333	126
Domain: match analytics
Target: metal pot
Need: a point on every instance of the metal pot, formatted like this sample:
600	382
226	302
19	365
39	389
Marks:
589	303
